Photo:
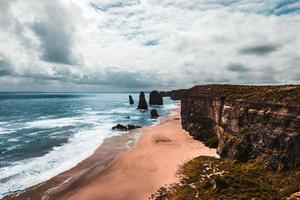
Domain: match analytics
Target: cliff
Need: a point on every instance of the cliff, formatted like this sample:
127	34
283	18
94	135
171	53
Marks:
259	124
175	94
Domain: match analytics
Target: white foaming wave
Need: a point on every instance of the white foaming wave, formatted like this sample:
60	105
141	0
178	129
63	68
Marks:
91	112
120	110
45	117
33	171
11	147
96	119
5	131
50	123
171	106
66	121
14	139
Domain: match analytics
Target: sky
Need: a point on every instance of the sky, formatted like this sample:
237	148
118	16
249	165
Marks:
133	45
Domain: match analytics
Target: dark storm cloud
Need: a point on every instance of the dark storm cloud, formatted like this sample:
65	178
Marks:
55	28
237	67
41	42
56	43
5	68
121	78
152	43
59	73
110	77
259	50
127	79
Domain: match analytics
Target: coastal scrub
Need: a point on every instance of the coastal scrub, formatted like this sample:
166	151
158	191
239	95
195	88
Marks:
212	178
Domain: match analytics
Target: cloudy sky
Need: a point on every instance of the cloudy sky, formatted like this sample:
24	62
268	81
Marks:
129	45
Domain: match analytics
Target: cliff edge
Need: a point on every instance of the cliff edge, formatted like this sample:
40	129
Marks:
259	124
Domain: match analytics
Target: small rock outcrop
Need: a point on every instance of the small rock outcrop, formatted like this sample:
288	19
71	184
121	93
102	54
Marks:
120	127
155	98
131	100
142	102
154	114
130	127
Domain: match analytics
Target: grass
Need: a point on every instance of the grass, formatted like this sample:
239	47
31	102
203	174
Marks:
284	94
211	178
212	142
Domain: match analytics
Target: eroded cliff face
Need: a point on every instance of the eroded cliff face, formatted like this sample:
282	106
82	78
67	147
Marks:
259	124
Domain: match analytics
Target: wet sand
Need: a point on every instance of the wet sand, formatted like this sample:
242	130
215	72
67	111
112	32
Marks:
102	158
136	174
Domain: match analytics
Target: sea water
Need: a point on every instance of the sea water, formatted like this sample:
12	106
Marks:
44	134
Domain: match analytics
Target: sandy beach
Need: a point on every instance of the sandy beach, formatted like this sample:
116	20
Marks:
136	174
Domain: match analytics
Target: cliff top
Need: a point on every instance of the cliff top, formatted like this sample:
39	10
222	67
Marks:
283	94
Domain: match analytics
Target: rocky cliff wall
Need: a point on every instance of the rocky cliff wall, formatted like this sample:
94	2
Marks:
259	124
175	94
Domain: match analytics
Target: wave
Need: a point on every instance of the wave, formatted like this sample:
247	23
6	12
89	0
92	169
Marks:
90	127
26	173
5	131
89	117
50	123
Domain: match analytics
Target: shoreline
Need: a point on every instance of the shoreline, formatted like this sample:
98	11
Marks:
157	164
102	158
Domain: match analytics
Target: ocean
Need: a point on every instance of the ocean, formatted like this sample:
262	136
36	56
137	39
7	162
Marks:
44	134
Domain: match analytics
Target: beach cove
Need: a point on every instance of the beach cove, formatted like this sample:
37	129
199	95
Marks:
136	174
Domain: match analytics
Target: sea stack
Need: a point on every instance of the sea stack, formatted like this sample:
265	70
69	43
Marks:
131	100
142	102
155	98
154	114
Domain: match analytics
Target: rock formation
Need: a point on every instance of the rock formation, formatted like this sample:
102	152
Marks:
260	124
175	94
130	127
131	100
142	102
120	127
155	98
154	114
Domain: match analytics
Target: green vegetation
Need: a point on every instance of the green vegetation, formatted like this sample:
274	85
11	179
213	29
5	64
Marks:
211	178
285	94
212	142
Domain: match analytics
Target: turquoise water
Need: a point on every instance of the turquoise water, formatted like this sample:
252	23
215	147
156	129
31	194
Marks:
44	134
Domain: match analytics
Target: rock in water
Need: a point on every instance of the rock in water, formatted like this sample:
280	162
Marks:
155	98
119	127
130	127
154	114
131	100
142	102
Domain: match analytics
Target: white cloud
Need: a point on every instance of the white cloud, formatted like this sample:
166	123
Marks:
141	44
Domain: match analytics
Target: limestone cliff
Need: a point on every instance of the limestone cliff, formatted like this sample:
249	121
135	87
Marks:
175	94
260	124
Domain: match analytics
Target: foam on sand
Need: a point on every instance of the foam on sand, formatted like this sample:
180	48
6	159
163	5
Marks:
36	170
